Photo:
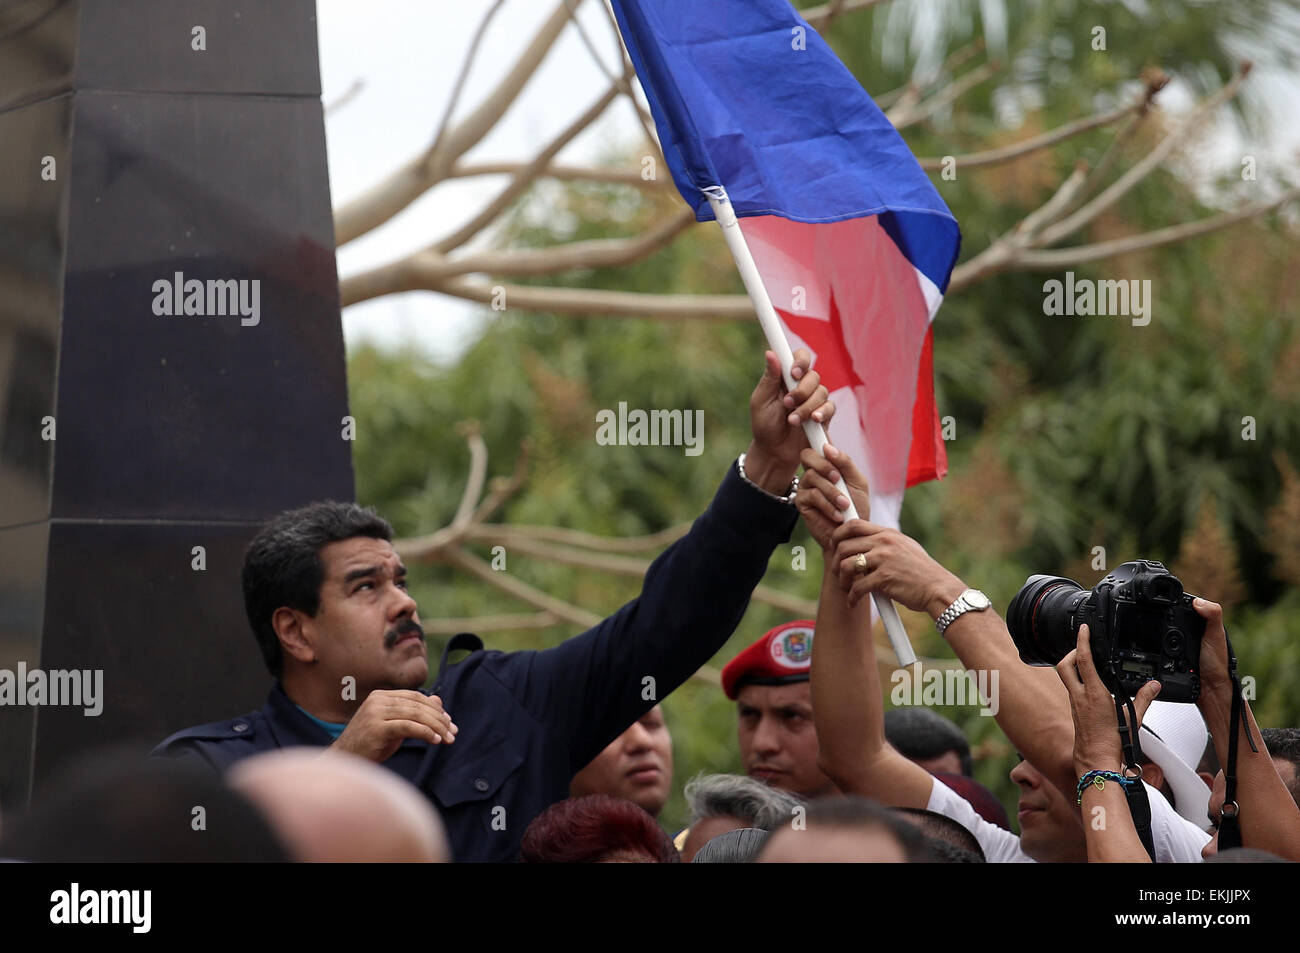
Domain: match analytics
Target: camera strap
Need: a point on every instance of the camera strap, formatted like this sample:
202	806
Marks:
1139	807
1229	822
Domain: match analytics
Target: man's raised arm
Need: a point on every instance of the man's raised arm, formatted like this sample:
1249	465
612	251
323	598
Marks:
693	596
1269	818
1031	705
848	708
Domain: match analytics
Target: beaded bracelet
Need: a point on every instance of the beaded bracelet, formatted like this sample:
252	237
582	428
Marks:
1098	780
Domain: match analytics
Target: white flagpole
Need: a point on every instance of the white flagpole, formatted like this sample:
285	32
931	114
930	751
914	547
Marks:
816	432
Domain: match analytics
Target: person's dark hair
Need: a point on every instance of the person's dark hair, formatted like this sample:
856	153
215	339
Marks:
940	827
920	734
740	846
1284	745
282	566
118	806
596	828
859	813
942	852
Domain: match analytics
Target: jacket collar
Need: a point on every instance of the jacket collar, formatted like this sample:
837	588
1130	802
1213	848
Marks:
289	725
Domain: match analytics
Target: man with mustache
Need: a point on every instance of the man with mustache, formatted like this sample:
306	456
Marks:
326	596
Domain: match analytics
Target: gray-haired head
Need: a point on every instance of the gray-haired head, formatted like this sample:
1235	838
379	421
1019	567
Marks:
746	799
734	847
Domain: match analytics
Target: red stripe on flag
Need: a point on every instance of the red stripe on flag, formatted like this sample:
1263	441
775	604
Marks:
928	458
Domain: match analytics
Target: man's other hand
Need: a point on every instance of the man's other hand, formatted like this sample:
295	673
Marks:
386	718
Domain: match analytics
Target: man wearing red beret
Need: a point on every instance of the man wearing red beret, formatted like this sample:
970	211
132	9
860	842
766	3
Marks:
769	683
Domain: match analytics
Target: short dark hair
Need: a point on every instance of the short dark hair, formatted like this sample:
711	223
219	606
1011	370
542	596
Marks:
852	812
942	828
921	734
1284	745
282	566
593	828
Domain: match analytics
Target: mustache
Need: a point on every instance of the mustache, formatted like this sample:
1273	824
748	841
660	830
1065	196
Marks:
403	628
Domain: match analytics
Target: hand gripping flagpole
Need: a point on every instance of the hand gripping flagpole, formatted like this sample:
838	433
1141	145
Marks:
816	432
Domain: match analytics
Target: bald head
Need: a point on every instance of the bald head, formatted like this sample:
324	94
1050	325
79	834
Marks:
336	807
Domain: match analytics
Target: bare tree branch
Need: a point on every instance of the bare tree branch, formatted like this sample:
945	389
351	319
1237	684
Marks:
525	176
558	607
673	307
1145	166
905	115
822	16
1156	79
573	256
459	86
509	533
1050	210
642	114
567	173
915	88
1004	249
423	548
502	489
385	200
477	474
346	96
783	600
568	556
1033	144
521	590
430	270
1062	257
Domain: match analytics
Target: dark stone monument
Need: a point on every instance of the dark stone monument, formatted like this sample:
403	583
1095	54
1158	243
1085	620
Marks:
171	355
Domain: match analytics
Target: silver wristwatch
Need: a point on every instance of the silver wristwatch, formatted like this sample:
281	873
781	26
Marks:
972	600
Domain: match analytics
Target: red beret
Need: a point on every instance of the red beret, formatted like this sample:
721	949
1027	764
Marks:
781	656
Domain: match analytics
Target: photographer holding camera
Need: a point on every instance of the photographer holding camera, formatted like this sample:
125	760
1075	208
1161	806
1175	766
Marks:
1111	835
1269	817
1266	814
1033	710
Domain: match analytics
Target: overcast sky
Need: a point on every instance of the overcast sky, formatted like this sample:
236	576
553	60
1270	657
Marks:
407	53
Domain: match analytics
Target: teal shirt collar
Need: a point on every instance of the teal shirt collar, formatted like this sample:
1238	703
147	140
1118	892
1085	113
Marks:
333	728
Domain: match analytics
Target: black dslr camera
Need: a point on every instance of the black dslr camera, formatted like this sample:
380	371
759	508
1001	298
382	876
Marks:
1141	622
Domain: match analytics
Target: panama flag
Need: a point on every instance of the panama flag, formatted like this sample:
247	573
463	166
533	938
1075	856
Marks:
852	242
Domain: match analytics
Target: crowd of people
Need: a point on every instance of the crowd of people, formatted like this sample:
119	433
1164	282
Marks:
563	755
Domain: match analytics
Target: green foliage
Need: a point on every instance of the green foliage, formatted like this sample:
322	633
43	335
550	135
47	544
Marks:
1072	432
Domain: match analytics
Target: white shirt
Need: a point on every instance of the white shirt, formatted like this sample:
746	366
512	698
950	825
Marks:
1176	839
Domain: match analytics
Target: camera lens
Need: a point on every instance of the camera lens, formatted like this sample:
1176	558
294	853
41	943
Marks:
1040	619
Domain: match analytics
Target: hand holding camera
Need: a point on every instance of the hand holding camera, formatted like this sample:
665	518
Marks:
1141	625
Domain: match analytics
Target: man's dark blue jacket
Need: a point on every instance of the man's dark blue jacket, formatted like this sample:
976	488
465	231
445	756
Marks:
530	720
